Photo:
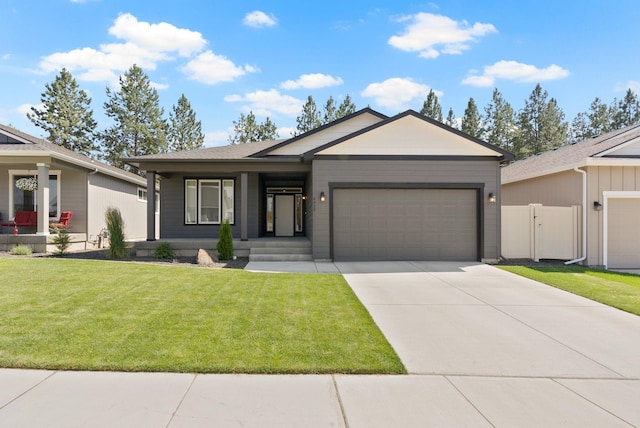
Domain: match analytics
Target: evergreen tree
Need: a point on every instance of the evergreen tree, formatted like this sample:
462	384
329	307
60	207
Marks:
499	122
431	107
580	129
471	121
541	124
346	107
554	129
600	118
309	119
451	119
247	130
185	132
330	111
66	115
139	128
627	111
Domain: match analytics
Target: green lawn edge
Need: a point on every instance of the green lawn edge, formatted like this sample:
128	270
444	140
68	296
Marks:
118	316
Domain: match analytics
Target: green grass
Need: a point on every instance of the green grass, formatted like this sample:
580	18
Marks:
615	289
105	315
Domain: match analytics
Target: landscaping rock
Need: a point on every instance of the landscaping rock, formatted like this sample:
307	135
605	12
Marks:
204	258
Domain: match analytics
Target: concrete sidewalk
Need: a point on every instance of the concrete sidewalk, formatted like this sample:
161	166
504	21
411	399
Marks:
483	347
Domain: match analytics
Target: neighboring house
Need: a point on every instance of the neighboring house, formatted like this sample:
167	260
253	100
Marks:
602	174
364	187
72	182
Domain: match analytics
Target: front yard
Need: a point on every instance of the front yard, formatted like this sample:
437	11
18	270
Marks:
102	315
615	289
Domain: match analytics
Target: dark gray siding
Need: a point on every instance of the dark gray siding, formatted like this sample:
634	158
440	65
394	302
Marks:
417	172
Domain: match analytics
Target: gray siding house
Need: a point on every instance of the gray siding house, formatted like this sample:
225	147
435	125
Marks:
67	181
365	187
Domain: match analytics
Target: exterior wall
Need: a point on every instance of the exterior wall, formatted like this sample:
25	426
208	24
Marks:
172	208
327	171
309	206
104	191
601	179
563	189
73	197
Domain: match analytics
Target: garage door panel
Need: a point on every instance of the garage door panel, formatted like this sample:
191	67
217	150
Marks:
623	234
405	224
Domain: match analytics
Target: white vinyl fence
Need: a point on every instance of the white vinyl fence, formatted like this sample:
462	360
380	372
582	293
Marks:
537	232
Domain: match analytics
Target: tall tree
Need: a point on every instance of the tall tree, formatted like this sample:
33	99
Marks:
580	129
138	128
431	107
541	124
499	122
66	115
330	111
346	107
472	121
309	119
451	119
247	130
185	132
628	110
600	118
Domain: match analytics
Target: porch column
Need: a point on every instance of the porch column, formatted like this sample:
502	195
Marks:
244	206
151	205
43	199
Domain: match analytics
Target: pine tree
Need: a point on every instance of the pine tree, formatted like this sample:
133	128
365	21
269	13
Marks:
451	119
554	130
431	107
628	110
346	107
541	124
247	130
580	129
330	111
66	115
499	122
185	132
309	119
471	121
139	128
600	118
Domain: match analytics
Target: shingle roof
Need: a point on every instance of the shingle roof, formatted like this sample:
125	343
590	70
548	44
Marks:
34	144
566	157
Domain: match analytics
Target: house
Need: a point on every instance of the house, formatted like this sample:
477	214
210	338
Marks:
364	187
66	181
601	174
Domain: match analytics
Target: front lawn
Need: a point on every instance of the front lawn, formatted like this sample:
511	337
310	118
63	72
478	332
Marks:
103	315
619	290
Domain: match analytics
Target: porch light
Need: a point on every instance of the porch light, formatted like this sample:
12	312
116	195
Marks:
597	206
492	197
322	197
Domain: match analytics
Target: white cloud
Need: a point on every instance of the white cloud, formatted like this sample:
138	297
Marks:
210	68
397	93
431	35
286	132
517	72
144	44
26	108
631	84
312	81
5	57
159	86
217	138
267	103
259	19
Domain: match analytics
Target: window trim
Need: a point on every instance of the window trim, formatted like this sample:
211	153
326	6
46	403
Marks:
222	209
142	195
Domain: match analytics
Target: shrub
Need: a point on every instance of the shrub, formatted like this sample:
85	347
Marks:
225	242
62	240
21	250
163	252
115	226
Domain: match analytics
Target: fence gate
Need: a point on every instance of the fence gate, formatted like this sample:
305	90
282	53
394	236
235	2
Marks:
537	232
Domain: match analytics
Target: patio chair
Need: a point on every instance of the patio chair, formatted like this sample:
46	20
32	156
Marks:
23	218
63	221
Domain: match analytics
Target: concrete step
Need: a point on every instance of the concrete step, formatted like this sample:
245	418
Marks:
280	258
282	250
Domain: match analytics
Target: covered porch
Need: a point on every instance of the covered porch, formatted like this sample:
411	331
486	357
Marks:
44	243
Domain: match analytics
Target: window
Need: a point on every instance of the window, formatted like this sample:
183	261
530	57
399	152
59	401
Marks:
142	195
207	201
27	200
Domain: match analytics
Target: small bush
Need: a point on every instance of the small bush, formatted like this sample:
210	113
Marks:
115	226
163	252
62	240
21	250
225	242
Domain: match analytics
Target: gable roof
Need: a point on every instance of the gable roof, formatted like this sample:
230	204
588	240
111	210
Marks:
442	140
590	151
19	143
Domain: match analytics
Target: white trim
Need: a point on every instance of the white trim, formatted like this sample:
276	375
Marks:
142	190
618	147
33	172
206	181
605	217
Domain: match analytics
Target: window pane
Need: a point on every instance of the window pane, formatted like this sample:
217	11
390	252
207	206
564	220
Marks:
269	213
299	213
23	200
209	201
227	200
191	202
53	196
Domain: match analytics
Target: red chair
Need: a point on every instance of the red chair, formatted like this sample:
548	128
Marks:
63	221
23	219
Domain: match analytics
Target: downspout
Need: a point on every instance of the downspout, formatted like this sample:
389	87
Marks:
584	217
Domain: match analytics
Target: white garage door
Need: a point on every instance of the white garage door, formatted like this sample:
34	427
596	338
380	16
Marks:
405	224
623	235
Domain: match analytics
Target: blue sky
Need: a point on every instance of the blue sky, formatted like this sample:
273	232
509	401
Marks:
230	57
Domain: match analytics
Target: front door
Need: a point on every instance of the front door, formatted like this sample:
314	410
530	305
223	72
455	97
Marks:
284	215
